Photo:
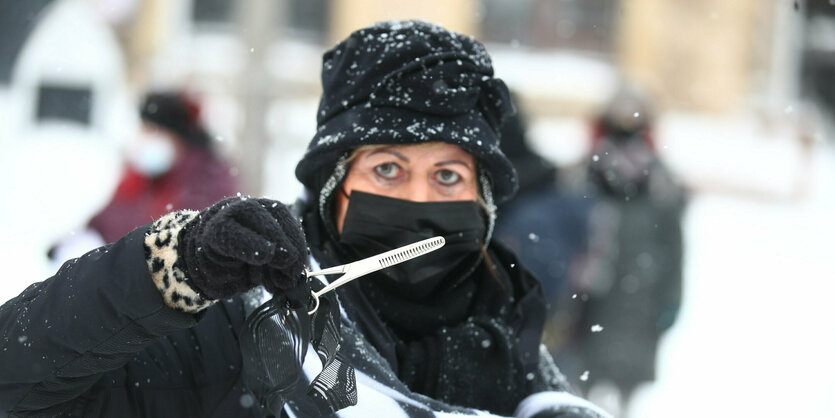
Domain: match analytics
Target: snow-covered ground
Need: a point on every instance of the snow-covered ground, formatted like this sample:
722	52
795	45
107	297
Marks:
755	335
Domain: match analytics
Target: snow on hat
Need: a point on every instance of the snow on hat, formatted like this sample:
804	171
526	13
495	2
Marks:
409	82
176	113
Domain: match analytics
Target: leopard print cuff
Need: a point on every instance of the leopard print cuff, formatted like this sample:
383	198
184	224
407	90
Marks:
161	256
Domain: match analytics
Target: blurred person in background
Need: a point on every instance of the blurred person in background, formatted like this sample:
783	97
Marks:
170	165
209	313
545	223
628	290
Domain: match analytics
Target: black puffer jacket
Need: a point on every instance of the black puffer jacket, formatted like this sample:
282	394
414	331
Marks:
97	340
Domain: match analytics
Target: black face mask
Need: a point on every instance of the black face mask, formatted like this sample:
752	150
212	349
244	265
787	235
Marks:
374	224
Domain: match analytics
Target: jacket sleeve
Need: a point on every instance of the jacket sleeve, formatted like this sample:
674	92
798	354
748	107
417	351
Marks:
60	335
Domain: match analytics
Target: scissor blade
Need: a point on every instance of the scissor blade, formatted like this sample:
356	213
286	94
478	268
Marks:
380	261
331	270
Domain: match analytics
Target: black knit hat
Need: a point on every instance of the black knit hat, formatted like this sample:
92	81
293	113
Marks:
176	113
409	82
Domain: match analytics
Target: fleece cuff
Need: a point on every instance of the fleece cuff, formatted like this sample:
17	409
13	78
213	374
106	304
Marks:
167	274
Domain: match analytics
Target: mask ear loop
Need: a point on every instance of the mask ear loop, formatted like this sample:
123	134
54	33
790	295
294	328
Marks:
344	193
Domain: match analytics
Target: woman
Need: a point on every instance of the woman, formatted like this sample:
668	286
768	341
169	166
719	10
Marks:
406	148
172	165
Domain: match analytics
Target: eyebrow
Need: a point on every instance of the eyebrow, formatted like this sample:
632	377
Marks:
442	163
388	151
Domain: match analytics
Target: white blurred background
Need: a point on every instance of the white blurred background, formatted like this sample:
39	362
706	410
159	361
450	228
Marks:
744	91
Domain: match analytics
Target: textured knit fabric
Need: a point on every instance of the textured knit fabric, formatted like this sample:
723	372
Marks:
239	243
406	83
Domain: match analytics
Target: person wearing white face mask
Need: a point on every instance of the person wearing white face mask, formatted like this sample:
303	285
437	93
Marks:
153	152
170	166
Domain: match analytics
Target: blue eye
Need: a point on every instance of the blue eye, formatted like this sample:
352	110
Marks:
387	170
447	177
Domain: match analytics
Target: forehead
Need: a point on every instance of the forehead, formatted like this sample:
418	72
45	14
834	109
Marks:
431	150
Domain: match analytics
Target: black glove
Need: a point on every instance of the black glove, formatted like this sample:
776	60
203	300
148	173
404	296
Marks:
239	243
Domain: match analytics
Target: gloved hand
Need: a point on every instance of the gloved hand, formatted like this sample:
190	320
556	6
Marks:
239	243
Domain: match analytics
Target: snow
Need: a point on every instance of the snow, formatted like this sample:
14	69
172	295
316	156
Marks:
56	175
569	76
48	193
735	153
561	140
546	401
754	336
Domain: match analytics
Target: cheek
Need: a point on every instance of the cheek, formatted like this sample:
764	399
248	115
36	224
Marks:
468	192
341	209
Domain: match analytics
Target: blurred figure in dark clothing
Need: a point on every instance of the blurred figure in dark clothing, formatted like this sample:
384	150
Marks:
543	224
623	151
170	165
629	288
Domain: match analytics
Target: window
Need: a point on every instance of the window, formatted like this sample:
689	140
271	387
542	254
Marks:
818	62
66	103
212	12
17	19
307	19
586	25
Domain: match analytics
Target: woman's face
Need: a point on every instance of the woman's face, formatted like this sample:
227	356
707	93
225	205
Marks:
423	173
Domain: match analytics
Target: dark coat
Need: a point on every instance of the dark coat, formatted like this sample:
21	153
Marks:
632	281
97	340
544	224
547	228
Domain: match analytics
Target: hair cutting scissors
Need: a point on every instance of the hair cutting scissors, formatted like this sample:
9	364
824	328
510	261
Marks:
371	264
